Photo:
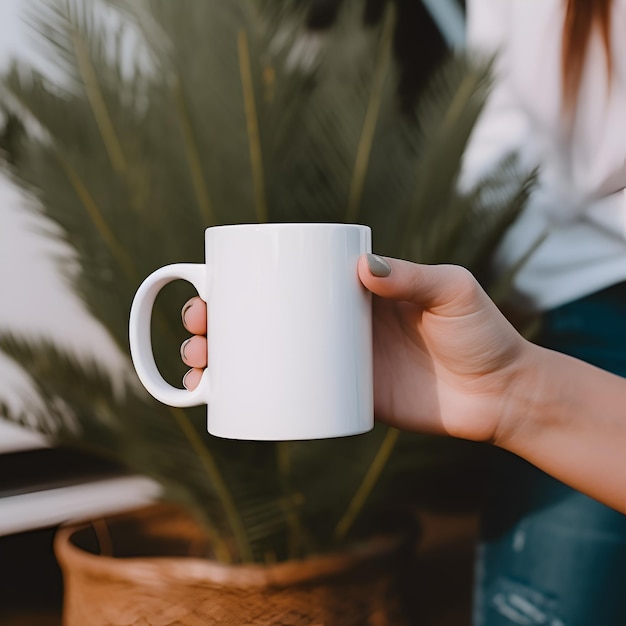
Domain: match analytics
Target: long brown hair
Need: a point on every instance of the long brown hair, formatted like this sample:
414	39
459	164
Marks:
581	17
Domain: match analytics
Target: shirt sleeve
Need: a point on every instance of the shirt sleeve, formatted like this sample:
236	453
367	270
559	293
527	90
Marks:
503	126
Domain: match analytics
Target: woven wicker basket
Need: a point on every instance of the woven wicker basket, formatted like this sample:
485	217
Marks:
353	588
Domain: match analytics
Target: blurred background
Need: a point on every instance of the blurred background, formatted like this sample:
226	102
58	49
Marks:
41	486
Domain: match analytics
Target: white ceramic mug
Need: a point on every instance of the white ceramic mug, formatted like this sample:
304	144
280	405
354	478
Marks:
289	332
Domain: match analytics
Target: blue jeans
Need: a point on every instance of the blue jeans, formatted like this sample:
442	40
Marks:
548	554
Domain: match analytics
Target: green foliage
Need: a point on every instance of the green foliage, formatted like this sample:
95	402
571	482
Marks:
234	113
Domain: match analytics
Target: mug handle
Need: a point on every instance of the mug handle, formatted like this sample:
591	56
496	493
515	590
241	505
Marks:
141	342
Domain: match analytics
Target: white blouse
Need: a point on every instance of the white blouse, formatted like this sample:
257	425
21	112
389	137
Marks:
580	199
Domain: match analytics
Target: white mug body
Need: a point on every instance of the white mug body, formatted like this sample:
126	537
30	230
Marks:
289	332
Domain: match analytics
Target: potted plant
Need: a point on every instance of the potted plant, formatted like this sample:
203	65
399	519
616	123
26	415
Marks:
228	112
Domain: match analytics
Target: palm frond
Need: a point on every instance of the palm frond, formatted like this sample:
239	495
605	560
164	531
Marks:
240	115
447	113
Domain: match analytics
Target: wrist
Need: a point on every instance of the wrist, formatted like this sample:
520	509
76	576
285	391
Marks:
534	391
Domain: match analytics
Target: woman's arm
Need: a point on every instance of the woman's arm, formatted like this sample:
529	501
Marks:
569	418
446	361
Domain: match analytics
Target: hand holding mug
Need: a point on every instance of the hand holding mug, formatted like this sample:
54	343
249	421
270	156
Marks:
444	357
447	362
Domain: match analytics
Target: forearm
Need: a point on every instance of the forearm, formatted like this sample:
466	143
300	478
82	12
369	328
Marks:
569	419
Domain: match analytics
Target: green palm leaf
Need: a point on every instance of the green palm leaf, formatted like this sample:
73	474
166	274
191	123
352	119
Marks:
233	112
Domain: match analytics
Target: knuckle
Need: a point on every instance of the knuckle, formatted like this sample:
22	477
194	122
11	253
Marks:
463	280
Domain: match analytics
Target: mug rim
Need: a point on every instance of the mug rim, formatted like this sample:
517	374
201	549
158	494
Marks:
284	225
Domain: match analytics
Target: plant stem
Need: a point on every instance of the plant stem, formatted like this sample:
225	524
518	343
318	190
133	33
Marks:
209	464
252	124
89	77
366	141
367	485
294	540
457	106
193	156
204	455
94	212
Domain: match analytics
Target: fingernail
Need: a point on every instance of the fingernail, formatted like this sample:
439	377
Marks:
378	266
185	379
183	347
185	309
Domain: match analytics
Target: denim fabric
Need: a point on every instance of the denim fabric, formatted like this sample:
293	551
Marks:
550	555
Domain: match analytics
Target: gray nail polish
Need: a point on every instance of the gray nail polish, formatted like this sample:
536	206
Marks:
187	307
182	348
378	266
185	379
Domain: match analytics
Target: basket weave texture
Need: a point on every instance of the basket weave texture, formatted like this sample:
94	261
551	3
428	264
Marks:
358	587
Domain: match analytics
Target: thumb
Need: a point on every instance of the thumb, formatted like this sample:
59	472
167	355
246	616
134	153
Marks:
445	289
